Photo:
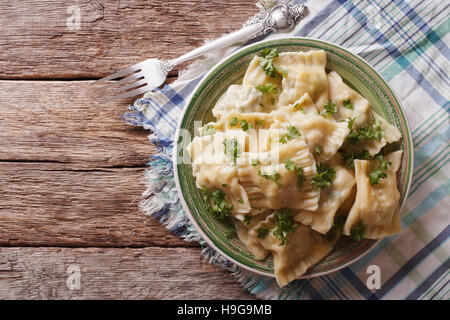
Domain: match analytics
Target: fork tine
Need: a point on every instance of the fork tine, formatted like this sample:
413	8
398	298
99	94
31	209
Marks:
120	74
130	93
128	86
124	80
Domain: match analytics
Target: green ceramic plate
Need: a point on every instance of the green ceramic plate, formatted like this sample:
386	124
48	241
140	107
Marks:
355	71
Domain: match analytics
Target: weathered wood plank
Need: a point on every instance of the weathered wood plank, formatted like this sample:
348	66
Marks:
110	273
37	41
63	121
47	204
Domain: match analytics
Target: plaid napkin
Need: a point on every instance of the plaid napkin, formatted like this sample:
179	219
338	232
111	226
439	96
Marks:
407	42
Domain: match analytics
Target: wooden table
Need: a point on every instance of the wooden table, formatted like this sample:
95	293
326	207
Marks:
71	170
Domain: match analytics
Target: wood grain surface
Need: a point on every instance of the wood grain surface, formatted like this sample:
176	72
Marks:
71	170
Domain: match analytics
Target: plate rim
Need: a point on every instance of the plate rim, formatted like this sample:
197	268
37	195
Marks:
175	155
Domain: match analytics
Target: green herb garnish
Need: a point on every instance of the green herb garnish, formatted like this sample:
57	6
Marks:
245	125
247	220
348	104
217	205
234	121
323	177
349	157
318	150
267	55
232	149
274	177
336	228
230	233
255	162
240	200
209	130
298	170
292	133
371	131
329	109
259	122
267	88
285	225
380	172
262	233
358	231
224	185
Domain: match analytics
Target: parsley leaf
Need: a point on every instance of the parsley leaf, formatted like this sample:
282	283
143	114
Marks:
274	177
337	227
381	172
217	205
234	121
349	157
247	220
232	149
254	162
371	131
245	125
209	130
323	177
329	109
267	55
318	149
348	104
267	88
292	133
230	233
358	231
262	233
259	122
240	200
298	170
285	225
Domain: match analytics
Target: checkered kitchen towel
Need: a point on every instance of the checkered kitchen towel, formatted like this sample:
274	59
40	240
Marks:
407	42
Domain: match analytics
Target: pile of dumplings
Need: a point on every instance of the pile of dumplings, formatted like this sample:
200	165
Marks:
290	162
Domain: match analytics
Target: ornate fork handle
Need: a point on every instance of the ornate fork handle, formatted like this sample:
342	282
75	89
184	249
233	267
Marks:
279	18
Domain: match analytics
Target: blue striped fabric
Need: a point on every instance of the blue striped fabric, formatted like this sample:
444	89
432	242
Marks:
407	43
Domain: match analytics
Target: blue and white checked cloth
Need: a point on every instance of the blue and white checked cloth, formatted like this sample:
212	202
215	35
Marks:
407	42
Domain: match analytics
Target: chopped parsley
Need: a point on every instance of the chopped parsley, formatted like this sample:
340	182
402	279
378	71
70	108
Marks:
262	233
267	88
245	125
217	205
274	177
267	55
349	157
255	162
351	122
231	233
291	133
224	185
380	172
259	122
298	170
324	176
247	220
371	131
336	228
209	130
285	225
272	101
348	104
234	121
318	149
358	231
297	105
232	149
329	109
240	200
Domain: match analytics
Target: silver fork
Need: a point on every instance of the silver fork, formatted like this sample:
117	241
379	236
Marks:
152	73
